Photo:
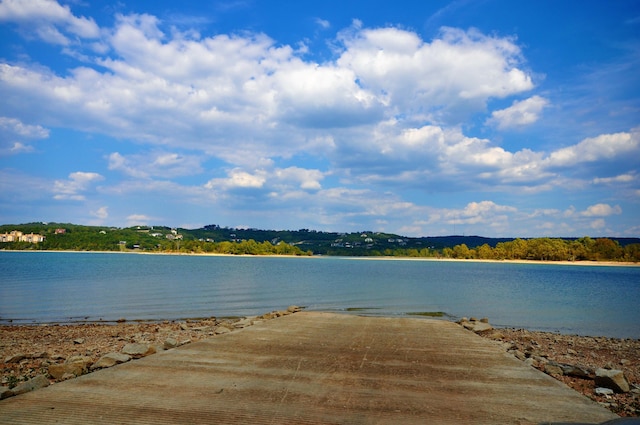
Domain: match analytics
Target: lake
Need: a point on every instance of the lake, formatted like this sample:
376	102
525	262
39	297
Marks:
46	287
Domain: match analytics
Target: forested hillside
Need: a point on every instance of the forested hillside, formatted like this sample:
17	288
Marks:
224	240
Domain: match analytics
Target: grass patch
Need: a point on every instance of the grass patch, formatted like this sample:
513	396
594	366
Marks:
428	313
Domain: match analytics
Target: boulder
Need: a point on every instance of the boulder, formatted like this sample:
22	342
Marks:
39	381
75	365
553	369
170	343
138	350
220	330
110	359
475	325
603	391
576	371
482	327
613	379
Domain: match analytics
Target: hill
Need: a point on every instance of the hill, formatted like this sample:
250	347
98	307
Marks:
217	239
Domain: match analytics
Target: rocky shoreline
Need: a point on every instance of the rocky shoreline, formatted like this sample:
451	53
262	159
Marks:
606	370
34	356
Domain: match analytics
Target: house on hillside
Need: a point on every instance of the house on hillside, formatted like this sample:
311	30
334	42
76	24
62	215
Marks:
18	236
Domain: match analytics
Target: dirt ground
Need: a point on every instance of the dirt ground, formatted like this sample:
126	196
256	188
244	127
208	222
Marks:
27	351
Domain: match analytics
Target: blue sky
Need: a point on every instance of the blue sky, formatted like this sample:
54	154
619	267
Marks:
494	117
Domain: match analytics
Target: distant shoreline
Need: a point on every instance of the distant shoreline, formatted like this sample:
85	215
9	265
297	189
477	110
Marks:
368	258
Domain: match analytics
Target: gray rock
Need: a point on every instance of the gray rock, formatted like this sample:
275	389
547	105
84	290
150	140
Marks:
170	343
15	358
138	350
603	391
476	325
38	382
613	379
75	365
575	371
240	324
79	341
553	369
482	327
219	330
110	359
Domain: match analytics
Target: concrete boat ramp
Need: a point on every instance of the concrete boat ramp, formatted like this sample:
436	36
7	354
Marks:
316	368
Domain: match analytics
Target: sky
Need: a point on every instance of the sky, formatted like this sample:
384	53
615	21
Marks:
488	117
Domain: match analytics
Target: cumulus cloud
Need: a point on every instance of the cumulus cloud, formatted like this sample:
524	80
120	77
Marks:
460	69
163	89
520	113
74	188
389	110
47	18
277	181
601	210
479	212
605	146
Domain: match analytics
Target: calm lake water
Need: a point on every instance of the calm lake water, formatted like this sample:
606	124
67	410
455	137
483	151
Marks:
38	287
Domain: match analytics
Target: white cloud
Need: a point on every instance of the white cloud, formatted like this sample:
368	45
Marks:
486	212
44	16
323	23
155	164
458	70
388	112
520	113
237	179
276	181
622	178
303	178
101	213
601	210
139	219
16	127
163	89
73	188
605	146
14	133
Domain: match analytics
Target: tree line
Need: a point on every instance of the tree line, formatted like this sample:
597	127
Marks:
216	240
541	249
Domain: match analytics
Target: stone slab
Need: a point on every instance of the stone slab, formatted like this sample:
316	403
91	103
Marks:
316	368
